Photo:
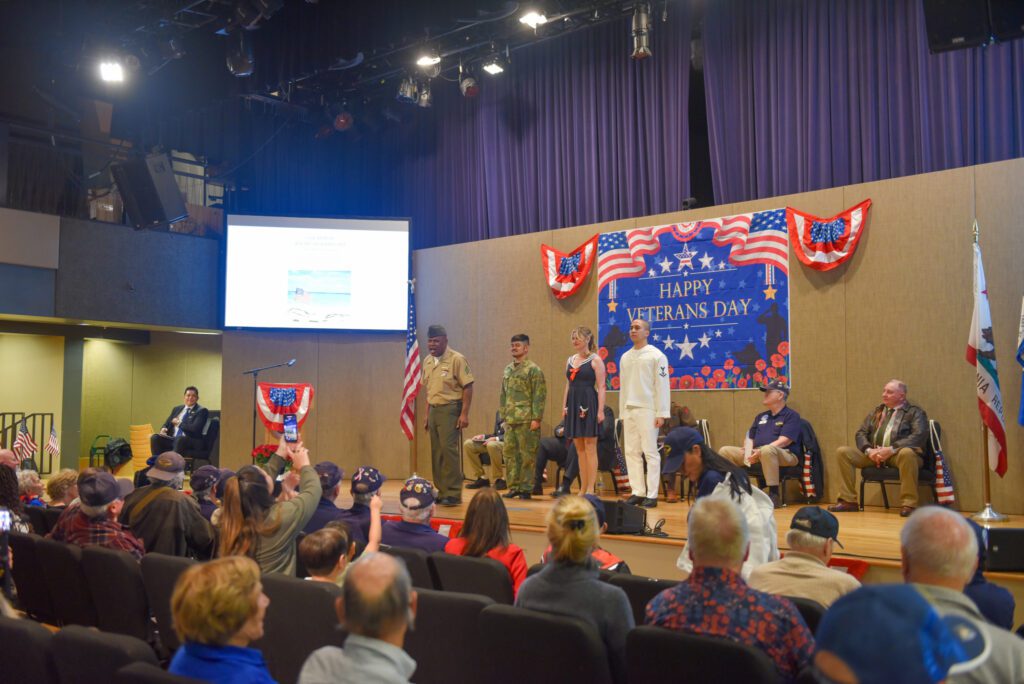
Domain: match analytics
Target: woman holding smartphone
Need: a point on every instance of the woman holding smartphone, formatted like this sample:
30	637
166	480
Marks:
583	403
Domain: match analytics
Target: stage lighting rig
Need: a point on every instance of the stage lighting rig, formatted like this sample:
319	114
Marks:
641	31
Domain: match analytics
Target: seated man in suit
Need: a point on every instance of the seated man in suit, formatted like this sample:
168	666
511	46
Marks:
893	435
183	429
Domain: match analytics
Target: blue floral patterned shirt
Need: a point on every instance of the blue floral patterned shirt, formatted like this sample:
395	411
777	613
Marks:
717	602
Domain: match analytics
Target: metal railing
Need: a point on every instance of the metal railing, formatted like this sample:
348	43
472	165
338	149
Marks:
39	426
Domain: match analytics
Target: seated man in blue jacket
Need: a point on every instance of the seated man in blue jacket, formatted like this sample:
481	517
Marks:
417	502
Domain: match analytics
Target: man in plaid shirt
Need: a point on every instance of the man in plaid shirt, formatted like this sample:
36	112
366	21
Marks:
93	522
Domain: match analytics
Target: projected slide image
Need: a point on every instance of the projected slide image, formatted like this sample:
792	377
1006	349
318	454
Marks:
318	296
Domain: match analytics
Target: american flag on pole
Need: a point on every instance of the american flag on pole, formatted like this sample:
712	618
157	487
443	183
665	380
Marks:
52	445
407	418
944	495
24	446
758	238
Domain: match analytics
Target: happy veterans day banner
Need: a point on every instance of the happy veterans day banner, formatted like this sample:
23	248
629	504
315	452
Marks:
716	293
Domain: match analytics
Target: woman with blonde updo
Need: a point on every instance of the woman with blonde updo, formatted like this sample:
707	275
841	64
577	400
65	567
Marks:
62	488
570	586
218	609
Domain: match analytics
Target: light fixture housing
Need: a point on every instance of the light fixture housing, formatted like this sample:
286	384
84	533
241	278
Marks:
533	18
425	98
641	30
428	58
469	86
111	71
495	64
407	90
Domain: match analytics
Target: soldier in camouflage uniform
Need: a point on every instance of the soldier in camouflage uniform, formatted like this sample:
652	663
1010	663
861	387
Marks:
521	406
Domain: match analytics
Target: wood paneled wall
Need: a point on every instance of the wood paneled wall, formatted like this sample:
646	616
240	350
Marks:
900	308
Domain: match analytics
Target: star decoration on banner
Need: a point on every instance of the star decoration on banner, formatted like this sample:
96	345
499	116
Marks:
706	261
656	337
704	340
669	342
718	333
685	258
686	348
666	265
722	266
612	305
651	273
770	292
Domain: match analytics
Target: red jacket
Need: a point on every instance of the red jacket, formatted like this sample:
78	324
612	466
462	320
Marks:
511	556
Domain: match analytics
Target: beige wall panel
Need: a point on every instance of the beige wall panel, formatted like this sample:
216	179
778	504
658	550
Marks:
908	304
1000	203
244	350
358	390
32	376
29	239
107	389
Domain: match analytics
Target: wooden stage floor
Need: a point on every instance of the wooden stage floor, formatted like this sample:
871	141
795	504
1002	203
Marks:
871	535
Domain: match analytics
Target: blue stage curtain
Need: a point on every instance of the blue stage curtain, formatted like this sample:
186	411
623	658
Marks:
809	94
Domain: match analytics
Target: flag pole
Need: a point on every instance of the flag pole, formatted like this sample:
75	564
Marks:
988	514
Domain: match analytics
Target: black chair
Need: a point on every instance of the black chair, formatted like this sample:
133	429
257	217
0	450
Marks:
484	576
115	582
300	619
534	569
574	651
810	611
69	591
925	476
640	590
33	595
457	616
144	673
159	574
86	656
655	652
416	563
27	652
38	520
209	452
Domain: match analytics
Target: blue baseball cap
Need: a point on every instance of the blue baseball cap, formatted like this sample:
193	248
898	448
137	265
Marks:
330	475
417	493
367	480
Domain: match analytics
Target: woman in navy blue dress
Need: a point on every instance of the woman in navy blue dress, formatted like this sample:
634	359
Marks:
583	406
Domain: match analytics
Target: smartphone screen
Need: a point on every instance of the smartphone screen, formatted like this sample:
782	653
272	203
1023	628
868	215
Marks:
291	428
5	520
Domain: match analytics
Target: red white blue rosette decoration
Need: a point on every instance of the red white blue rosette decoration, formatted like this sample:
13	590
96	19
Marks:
824	243
275	400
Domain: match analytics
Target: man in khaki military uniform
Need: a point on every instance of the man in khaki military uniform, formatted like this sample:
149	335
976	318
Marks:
449	386
521	405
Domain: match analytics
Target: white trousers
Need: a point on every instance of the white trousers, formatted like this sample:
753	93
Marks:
641	443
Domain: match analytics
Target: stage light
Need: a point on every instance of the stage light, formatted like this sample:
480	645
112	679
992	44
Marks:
241	60
111	71
533	19
467	84
641	31
343	121
428	58
494	65
406	90
425	99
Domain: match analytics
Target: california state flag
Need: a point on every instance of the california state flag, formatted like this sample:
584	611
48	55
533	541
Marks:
981	353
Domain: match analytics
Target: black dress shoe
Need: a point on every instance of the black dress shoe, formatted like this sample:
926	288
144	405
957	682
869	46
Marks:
537	490
449	501
525	496
499	484
559	492
510	494
479	483
634	500
649	503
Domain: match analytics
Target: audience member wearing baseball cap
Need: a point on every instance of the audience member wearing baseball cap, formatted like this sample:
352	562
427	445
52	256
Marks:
202	482
365	485
330	475
995	602
485	533
166	519
93	521
804	570
417	502
253	524
886	633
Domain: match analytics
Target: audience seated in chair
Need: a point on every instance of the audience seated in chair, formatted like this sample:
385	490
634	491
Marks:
10	500
218	610
203	480
417	505
804	570
253	524
606	560
940	554
995	603
485	533
62	488
326	511
327	553
366	483
377	607
909	642
166	519
94	520
569	584
30	489
715	601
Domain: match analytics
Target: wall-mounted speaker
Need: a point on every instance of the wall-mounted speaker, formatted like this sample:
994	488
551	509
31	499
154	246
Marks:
151	196
956	24
1007	19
